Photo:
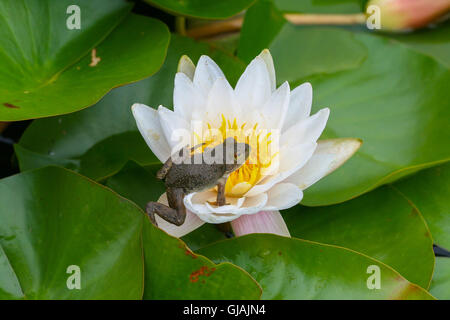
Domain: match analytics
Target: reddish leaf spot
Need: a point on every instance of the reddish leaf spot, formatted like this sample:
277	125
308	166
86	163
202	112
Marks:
9	105
203	271
190	253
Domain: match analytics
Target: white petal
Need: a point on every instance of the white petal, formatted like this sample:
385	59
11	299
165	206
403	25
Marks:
307	130
299	105
291	160
204	210
196	202
228	208
329	155
267	57
147	121
254	88
283	196
221	101
254	204
274	110
261	222
186	66
188	102
175	128
206	73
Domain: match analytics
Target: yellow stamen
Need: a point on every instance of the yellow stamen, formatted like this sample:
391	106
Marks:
250	173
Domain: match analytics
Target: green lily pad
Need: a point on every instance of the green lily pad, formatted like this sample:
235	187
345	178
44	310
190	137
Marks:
429	192
173	271
434	42
381	224
302	61
250	45
49	69
206	9
289	268
137	184
98	141
9	284
440	285
256	36
53	219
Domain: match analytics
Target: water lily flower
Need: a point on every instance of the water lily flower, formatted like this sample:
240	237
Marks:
400	15
268	181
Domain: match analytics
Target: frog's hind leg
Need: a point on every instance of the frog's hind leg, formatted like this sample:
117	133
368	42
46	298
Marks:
175	213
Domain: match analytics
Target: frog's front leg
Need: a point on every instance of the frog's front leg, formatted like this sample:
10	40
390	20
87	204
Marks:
221	199
175	213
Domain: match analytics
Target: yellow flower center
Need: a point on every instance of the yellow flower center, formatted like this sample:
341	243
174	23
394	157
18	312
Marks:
251	172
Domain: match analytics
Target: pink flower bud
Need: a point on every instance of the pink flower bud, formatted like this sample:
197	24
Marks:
409	14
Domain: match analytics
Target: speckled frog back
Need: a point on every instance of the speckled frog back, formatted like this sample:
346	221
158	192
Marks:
194	177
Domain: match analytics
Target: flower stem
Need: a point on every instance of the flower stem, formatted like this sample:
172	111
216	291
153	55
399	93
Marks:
330	19
216	28
235	24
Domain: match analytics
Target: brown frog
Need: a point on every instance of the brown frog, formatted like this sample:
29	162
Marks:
187	172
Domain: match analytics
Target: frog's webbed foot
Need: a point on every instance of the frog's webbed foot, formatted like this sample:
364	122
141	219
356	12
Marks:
165	212
175	213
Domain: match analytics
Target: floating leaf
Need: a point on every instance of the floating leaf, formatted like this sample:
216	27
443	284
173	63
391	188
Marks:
173	271
49	69
53	219
289	268
429	192
137	184
434	42
381	224
440	285
339	51
251	45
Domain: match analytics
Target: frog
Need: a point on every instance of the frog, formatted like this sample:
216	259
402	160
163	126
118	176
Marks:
187	175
